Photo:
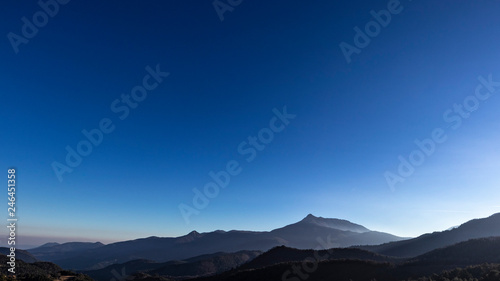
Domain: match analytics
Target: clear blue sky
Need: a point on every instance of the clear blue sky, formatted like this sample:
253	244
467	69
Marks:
352	120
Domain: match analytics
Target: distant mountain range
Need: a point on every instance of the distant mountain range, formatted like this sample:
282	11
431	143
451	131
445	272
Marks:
473	248
476	258
476	228
55	250
311	232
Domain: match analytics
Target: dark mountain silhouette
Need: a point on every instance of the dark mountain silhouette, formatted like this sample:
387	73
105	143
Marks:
206	265
197	266
50	244
477	228
284	254
474	251
40	271
20	254
53	249
483	272
146	277
468	259
478	258
335	223
338	270
342	233
304	234
220	262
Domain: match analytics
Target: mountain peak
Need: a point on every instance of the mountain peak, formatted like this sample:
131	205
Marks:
310	216
189	237
334	223
50	244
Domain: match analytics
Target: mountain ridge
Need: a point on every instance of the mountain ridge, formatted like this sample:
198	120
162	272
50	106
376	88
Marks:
303	235
472	229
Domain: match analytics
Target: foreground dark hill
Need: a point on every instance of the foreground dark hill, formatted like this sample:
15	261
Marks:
217	263
295	265
474	251
477	228
338	270
40	271
284	254
180	269
20	254
460	255
477	259
483	272
304	234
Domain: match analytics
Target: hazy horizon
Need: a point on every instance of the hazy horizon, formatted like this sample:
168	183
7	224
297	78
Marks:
34	241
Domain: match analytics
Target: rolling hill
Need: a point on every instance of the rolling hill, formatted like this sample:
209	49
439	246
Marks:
40	271
20	254
473	258
179	269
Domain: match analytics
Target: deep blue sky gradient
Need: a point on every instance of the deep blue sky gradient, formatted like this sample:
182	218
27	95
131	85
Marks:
353	120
